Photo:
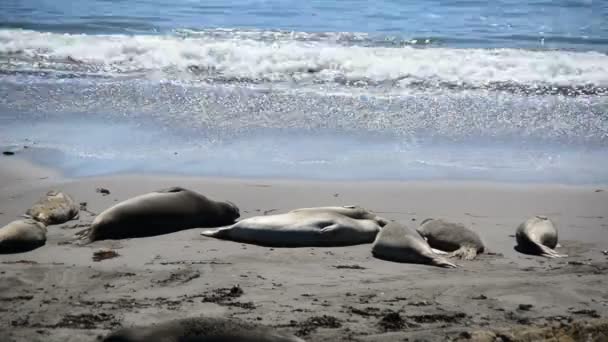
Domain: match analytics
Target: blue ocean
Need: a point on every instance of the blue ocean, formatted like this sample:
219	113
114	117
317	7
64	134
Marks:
506	90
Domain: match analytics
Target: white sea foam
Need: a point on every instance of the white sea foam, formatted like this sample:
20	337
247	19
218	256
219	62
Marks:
260	57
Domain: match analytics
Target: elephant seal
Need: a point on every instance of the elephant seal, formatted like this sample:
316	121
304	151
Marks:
200	329
538	236
299	229
55	208
461	241
352	211
397	242
22	236
161	212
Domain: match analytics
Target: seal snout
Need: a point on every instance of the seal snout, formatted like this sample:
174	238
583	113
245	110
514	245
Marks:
234	210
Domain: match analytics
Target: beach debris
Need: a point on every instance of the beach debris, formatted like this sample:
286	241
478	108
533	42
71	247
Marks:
315	322
27	262
525	307
87	321
579	263
224	294
480	297
567	330
588	312
599	190
605	252
16	298
104	253
83	207
103	191
181	276
266	212
449	317
420	303
349	267
392	321
8	153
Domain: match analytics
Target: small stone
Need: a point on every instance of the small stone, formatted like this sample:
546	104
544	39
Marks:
525	307
104	254
103	191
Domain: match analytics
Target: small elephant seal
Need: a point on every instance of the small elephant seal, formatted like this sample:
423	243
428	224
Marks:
161	212
22	236
55	208
461	241
537	236
299	229
352	211
200	330
397	242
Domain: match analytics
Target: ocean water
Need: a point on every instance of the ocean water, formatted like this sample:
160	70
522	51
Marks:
508	90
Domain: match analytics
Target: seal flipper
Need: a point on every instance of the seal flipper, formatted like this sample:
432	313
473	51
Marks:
550	253
82	237
438	251
216	233
329	229
442	262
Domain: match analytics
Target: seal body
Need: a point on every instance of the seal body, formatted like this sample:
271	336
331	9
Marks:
161	212
538	235
300	229
397	242
22	236
55	208
352	211
199	330
461	241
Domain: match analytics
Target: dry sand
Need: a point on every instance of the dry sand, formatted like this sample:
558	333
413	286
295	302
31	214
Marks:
58	293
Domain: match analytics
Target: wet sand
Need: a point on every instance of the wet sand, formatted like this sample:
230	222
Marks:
59	293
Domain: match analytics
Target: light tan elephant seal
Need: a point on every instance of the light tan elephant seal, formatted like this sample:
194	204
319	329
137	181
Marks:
397	242
461	241
22	236
538	236
202	329
352	211
161	212
55	208
299	229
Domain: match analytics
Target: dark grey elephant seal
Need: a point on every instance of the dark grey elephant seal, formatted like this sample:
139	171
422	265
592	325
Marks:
461	241
201	329
300	229
55	208
538	236
352	211
161	212
397	242
22	236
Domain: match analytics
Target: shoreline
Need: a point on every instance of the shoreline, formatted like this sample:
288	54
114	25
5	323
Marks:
58	293
12	168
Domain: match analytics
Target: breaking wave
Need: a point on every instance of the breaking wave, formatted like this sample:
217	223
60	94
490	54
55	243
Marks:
349	59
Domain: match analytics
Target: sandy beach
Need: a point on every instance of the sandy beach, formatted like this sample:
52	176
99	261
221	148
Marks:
59	293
